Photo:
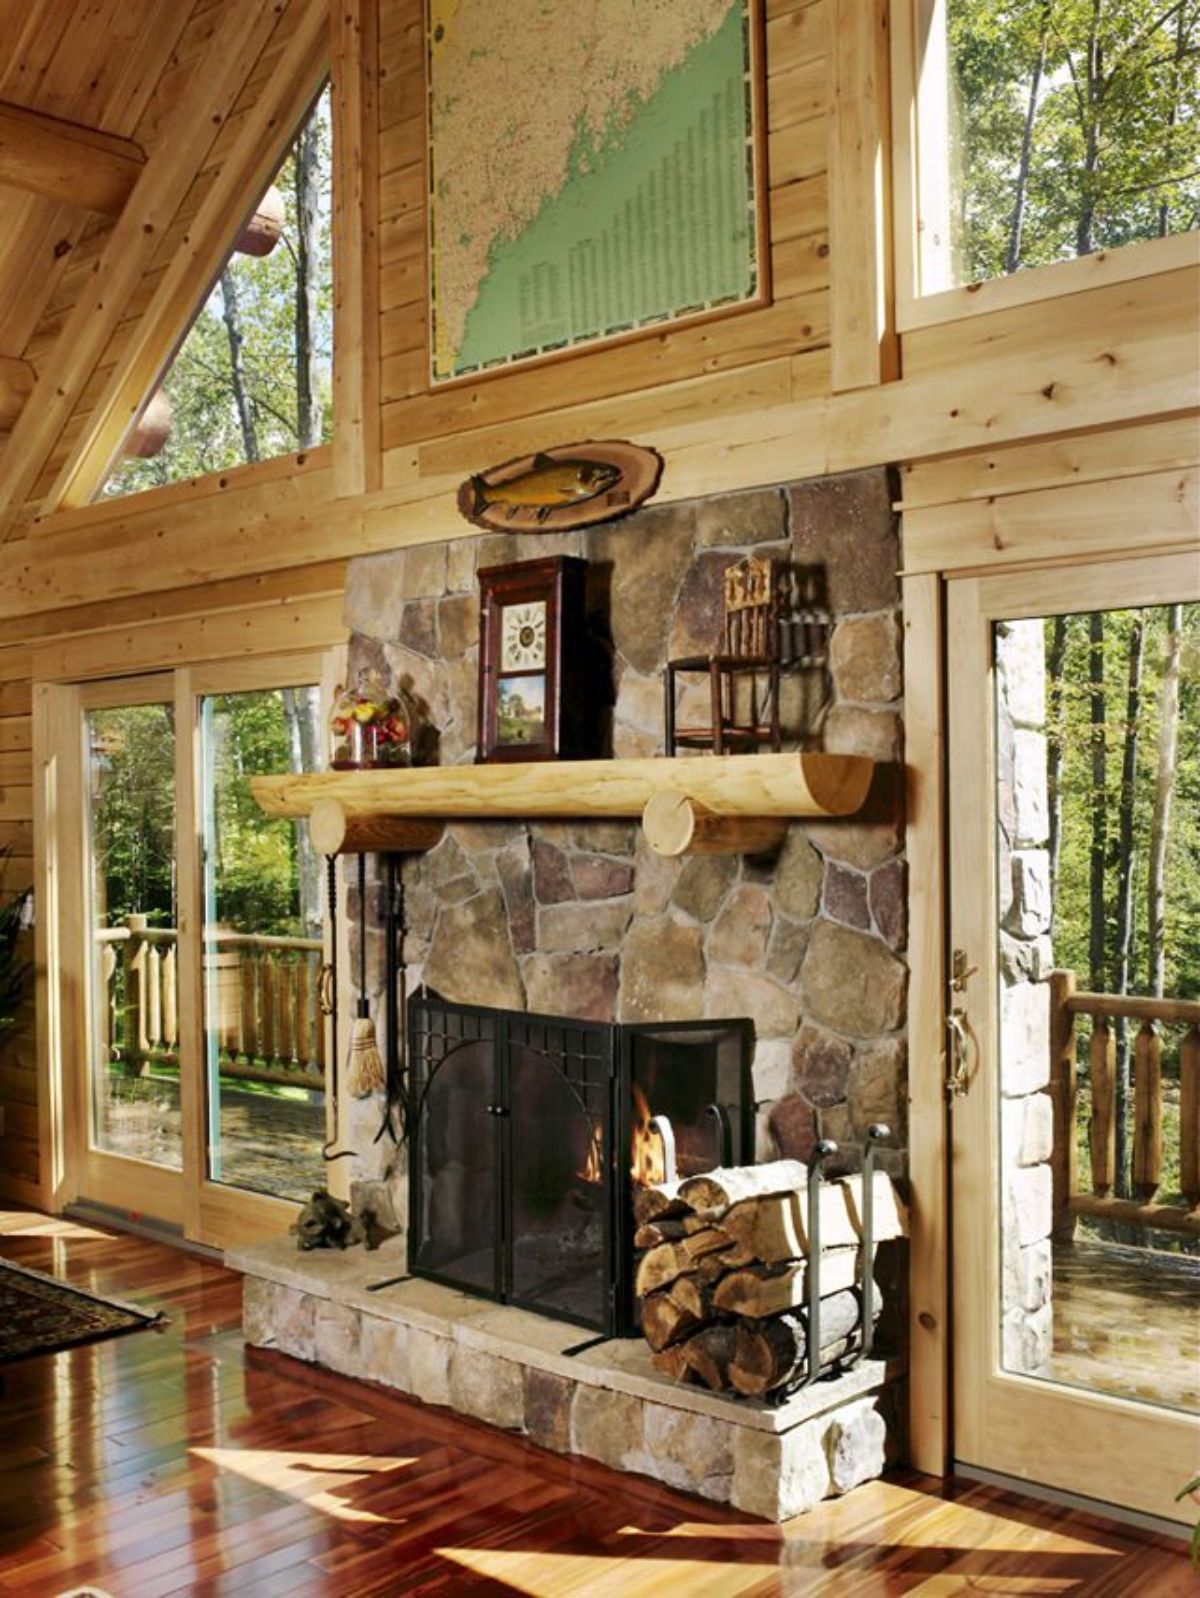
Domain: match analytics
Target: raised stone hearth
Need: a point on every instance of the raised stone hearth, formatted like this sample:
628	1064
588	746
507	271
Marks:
510	1369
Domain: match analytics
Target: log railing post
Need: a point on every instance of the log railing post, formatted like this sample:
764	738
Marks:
1103	1139
1147	1103
153	1010
136	1043
1064	1090
108	973
248	1027
170	999
266	1009
1189	1117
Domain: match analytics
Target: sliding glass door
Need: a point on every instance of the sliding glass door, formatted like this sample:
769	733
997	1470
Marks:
193	948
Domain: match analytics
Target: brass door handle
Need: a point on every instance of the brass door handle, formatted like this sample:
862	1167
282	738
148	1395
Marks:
961	1053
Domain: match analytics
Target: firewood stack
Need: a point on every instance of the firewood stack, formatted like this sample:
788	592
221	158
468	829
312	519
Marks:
724	1281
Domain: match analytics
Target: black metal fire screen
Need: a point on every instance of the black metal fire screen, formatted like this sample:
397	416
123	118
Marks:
530	1132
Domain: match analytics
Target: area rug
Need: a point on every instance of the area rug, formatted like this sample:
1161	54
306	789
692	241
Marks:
39	1314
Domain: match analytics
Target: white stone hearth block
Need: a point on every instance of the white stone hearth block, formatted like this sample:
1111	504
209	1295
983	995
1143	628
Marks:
1036	1274
772	1069
694	1452
385	1353
1028	1130
1031	1196
293	1322
257	1306
1031	811
490	1389
609	1427
429	1360
1021	655
778	1475
857	1445
338	1331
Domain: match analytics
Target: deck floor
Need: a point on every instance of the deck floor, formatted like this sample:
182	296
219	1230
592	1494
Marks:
179	1462
1127	1322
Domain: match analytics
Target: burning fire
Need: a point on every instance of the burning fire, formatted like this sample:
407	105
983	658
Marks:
648	1160
592	1169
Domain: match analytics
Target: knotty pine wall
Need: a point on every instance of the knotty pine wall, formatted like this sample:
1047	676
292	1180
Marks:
1065	397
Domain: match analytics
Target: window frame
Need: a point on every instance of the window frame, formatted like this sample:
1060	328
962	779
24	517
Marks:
921	208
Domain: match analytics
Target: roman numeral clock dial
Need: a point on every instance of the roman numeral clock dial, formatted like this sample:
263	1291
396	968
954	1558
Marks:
523	637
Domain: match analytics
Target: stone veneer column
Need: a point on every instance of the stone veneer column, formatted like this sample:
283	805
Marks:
579	918
1027	1123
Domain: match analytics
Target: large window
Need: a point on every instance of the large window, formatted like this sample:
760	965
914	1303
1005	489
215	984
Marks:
1049	130
252	379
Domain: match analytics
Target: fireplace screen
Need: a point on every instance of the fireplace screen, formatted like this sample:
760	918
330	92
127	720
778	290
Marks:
531	1132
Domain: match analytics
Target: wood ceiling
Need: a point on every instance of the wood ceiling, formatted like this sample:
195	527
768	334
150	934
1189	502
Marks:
117	119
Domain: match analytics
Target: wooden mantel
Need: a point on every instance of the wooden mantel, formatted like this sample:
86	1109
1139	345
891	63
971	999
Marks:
753	786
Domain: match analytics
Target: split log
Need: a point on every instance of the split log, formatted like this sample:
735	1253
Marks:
709	1353
770	1353
775	1227
759	1290
668	1317
717	1190
663	1264
658	1203
672	1362
656	1232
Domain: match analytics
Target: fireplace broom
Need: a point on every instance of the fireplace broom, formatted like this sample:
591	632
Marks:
365	1072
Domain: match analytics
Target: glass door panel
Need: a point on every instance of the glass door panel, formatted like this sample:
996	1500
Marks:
264	1038
1074	788
132	938
1097	720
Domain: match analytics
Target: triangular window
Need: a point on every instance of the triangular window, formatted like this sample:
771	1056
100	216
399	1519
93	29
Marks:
252	379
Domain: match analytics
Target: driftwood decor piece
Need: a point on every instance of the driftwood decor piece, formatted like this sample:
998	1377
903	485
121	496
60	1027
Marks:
555	490
730	1287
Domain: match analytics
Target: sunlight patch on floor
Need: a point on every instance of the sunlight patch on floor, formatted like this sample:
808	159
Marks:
322	1481
595	1576
22	1223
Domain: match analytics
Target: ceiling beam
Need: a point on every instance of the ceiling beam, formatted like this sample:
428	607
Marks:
16	384
66	162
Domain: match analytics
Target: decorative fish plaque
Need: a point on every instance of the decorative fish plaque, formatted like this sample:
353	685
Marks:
573	485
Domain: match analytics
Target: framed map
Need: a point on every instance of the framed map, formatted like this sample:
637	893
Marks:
594	170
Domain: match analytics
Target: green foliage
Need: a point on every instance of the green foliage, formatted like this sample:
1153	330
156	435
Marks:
132	774
1081	800
1115	139
205	432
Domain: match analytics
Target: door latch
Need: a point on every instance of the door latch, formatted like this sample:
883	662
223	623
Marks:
961	1053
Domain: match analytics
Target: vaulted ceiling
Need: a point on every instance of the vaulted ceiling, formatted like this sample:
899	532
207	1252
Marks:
134	137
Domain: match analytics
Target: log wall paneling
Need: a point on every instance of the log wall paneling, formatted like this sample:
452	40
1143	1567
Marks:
863	341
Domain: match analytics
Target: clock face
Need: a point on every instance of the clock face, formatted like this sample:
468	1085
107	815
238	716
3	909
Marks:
523	636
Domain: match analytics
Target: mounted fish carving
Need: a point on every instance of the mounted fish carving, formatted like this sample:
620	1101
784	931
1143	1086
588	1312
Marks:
574	485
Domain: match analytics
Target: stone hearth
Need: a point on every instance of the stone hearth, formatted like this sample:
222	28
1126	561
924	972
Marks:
510	1369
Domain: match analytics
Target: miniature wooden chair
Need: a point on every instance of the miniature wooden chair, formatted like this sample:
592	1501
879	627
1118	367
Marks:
749	653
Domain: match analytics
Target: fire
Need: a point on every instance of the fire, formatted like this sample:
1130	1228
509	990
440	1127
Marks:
648	1161
592	1169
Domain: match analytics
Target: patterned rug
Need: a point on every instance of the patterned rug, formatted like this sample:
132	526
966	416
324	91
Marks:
39	1314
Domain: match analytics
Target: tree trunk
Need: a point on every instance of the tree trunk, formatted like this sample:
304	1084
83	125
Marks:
1164	209
1016	226
1056	708
233	328
1098	853
309	414
1123	917
1085	227
1164	793
301	758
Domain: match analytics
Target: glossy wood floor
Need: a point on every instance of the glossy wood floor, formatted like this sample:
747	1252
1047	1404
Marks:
178	1462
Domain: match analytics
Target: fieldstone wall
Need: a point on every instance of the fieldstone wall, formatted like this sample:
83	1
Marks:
580	918
1027	1121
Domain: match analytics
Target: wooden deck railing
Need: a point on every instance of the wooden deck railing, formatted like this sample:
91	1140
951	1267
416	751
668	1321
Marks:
1066	1005
263	1002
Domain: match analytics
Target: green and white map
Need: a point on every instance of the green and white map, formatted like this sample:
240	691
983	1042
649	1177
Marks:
591	172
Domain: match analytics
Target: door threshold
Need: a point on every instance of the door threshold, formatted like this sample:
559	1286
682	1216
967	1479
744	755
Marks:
138	1225
1180	1530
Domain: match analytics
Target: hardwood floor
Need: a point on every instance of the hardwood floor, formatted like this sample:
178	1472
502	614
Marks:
180	1462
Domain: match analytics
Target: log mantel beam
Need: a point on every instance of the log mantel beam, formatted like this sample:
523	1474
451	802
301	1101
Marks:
66	162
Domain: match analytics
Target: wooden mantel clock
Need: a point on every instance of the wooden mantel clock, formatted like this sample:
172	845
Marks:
533	690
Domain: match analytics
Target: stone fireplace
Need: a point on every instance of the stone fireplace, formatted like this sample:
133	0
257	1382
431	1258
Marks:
582	922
